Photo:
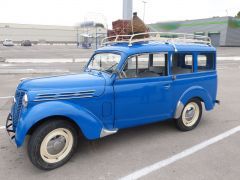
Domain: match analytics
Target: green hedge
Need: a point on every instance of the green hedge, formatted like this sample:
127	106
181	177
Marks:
234	23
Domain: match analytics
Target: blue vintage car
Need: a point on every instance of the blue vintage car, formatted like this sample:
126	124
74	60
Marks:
129	82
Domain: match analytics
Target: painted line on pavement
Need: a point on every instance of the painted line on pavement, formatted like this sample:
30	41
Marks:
2	127
232	58
6	97
187	152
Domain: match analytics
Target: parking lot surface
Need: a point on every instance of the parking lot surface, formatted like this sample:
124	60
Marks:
44	51
132	149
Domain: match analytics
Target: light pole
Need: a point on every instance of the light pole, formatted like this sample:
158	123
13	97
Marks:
77	37
144	7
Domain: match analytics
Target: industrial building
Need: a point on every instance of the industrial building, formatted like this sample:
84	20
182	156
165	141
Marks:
48	33
223	31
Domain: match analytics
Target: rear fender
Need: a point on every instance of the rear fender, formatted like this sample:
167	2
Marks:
89	124
194	92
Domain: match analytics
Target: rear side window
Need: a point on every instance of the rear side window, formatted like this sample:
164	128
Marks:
182	63
205	62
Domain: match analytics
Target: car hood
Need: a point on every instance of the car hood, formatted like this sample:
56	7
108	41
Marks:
72	83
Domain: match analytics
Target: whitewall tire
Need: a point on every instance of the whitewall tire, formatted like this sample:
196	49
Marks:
190	116
52	144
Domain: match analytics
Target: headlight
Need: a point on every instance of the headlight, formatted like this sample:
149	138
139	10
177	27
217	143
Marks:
25	100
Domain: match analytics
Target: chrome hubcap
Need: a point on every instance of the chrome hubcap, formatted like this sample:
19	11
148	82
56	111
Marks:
190	114
56	145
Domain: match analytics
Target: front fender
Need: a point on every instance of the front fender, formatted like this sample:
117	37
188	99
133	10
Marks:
89	124
194	92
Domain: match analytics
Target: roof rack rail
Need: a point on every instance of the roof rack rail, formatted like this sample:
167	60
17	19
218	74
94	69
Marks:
165	37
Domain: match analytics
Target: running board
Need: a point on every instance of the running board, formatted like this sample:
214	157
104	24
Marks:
106	132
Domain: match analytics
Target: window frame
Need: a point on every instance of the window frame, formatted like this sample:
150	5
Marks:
138	54
112	52
214	61
185	53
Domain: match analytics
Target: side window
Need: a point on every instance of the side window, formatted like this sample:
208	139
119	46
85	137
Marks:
159	64
145	65
143	61
205	62
182	63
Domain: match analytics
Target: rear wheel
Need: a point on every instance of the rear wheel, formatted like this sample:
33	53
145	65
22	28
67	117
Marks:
52	144
191	115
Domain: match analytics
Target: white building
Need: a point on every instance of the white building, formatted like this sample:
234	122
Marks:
44	33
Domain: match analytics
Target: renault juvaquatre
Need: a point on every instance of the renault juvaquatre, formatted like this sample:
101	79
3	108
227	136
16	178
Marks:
128	82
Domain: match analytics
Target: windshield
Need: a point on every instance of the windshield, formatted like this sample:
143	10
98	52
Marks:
104	62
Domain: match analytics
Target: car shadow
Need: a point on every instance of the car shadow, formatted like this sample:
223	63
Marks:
126	136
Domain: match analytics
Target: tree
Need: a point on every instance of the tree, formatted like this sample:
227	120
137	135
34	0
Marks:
238	15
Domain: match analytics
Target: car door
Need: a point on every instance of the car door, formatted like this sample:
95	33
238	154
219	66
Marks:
143	91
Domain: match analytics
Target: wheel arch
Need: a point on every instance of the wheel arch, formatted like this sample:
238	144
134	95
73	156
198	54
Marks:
52	118
88	124
195	92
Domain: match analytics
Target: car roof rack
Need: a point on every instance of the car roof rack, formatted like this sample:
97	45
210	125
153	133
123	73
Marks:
166	37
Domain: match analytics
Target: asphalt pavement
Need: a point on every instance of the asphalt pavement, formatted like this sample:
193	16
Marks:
133	149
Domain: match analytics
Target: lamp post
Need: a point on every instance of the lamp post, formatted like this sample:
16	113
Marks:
77	37
144	7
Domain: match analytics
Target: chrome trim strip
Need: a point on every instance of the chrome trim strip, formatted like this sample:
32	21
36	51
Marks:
106	132
70	95
56	98
87	91
178	110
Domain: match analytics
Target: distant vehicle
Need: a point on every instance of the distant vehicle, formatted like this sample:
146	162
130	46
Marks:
8	42
26	43
87	41
127	83
86	45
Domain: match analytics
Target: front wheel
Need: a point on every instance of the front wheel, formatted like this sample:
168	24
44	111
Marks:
191	116
52	144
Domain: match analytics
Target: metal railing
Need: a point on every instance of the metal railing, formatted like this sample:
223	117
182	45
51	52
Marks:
165	37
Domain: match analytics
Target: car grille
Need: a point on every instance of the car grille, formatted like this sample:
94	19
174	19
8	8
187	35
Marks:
17	107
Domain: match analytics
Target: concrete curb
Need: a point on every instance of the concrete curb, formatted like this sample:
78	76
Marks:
32	71
39	60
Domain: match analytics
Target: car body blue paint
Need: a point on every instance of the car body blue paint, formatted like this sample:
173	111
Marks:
118	103
90	124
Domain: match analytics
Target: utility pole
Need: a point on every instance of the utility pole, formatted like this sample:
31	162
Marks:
144	8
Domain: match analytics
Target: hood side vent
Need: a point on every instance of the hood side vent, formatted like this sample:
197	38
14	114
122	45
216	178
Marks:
64	95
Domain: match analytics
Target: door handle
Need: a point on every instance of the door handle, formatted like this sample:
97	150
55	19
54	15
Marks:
167	86
174	77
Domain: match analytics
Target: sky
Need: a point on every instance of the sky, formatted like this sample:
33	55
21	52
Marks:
72	12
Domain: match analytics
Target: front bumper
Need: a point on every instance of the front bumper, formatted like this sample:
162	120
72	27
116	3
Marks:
9	128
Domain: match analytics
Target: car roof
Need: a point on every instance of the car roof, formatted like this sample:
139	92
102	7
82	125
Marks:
143	47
